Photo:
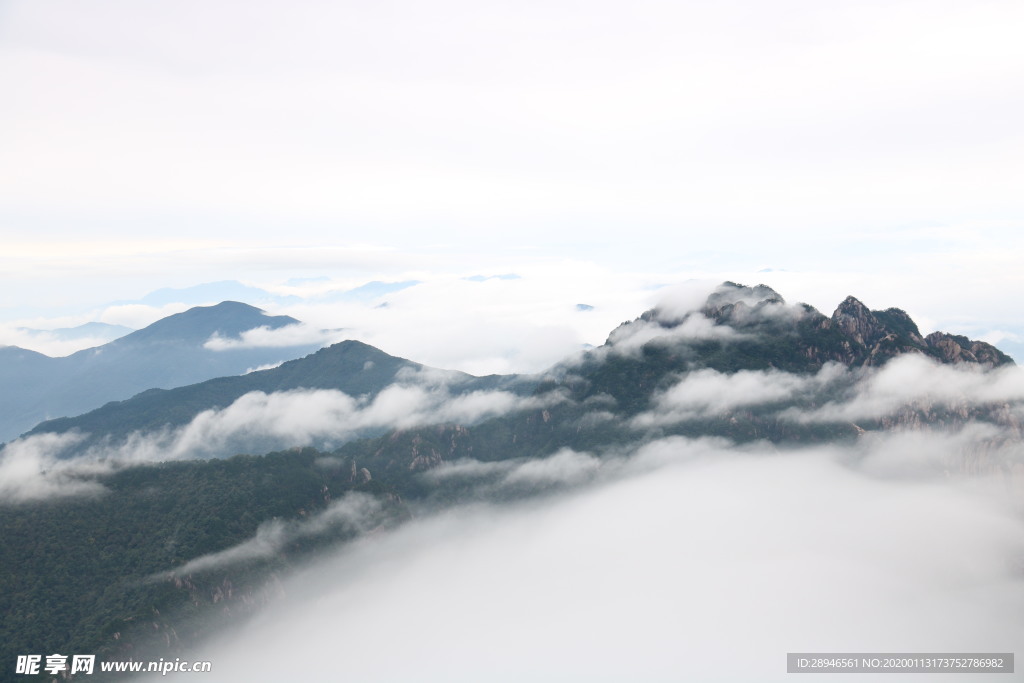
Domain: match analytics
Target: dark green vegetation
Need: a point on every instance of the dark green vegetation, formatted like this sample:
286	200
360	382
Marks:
168	353
78	573
351	367
97	574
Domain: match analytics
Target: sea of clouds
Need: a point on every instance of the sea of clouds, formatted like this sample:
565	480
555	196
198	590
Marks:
680	560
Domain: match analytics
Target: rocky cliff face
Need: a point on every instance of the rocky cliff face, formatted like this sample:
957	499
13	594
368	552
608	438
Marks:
853	319
953	348
753	328
854	335
732	304
881	335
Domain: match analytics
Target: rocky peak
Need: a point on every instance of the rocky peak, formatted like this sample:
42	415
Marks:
854	335
729	303
882	335
735	304
954	348
898	322
732	293
856	321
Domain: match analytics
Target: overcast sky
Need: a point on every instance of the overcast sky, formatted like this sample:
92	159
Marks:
598	149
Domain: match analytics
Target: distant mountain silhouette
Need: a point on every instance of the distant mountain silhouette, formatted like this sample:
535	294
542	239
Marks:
169	353
91	331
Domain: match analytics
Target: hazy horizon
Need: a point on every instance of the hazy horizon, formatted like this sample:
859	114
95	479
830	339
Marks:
598	151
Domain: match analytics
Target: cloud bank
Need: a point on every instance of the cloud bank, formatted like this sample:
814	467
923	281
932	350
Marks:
838	394
256	422
914	379
630	338
29	470
266	337
904	393
710	565
703	393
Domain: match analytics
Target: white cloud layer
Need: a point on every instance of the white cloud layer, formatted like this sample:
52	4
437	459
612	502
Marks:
712	566
256	422
531	323
490	481
492	327
837	394
629	339
913	379
302	417
266	337
259	422
29	470
707	392
47	342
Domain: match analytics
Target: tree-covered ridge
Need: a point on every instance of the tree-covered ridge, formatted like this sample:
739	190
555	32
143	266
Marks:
89	575
351	367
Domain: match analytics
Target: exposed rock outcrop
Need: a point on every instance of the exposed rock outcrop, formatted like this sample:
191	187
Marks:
855	320
953	348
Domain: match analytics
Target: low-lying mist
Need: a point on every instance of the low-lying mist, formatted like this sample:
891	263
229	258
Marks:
36	467
681	560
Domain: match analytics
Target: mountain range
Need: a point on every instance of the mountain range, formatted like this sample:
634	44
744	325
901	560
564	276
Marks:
154	555
350	367
171	352
742	328
234	290
104	332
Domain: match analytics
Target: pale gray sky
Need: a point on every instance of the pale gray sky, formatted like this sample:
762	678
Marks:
871	148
